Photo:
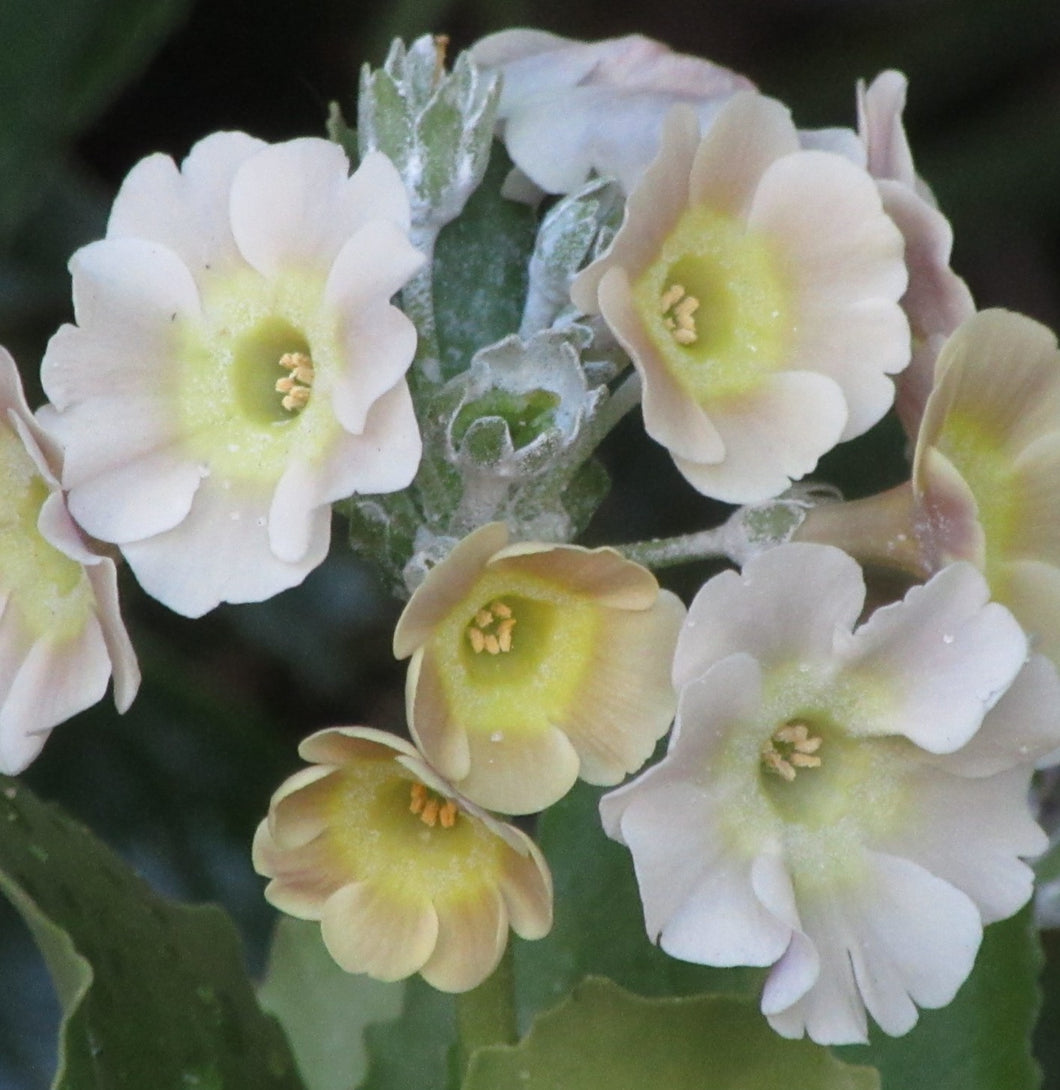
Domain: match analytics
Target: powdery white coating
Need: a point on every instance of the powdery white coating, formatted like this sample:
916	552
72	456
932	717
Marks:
821	373
163	395
863	873
61	632
937	299
569	108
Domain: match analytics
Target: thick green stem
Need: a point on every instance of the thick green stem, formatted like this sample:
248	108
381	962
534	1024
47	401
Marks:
878	530
486	1014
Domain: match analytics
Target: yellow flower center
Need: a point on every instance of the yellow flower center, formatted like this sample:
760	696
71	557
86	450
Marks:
384	827
491	629
432	808
716	305
49	590
297	384
257	339
790	748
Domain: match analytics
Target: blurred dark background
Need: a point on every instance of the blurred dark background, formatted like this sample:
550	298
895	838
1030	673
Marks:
87	87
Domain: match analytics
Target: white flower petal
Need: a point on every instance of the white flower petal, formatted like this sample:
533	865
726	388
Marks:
916	940
219	552
176	208
1023	726
944	653
948	811
773	436
786	604
294	204
54	680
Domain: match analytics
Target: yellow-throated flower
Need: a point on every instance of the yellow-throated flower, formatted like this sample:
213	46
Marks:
236	365
570	108
535	664
937	299
404	875
987	465
61	633
755	286
846	805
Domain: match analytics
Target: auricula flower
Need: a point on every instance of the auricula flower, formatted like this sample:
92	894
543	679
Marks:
236	365
847	805
755	286
987	465
570	108
404	875
61	633
534	664
937	299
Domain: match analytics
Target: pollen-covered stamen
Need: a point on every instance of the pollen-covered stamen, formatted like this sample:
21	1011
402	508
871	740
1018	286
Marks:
491	629
431	808
790	748
677	308
297	385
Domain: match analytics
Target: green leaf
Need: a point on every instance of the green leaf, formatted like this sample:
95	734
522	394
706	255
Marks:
599	928
72	57
481	263
323	1009
415	1051
981	1041
602	1036
153	994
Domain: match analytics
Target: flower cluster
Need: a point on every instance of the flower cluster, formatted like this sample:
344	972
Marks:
261	337
531	665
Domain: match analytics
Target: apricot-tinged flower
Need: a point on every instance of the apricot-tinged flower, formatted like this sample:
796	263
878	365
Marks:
756	288
937	299
846	805
569	108
987	465
404	875
237	365
61	633
535	664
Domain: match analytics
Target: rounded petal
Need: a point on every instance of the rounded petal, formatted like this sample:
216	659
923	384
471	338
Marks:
367	929
220	553
629	700
944	654
773	436
748	136
472	934
295	204
787	604
177	208
949	811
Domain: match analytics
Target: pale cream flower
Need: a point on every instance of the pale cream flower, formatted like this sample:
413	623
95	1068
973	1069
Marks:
61	633
534	664
937	299
847	805
236	364
987	465
404	875
755	286
569	108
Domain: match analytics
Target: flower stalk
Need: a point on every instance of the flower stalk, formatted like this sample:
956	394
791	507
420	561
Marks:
486	1015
